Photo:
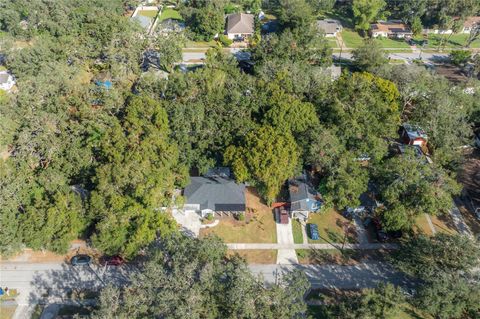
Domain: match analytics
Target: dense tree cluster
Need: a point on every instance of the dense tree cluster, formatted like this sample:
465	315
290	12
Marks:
83	159
196	279
445	264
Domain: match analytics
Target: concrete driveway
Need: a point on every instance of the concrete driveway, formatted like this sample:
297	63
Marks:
285	236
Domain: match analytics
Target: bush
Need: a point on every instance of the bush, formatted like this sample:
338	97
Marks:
224	40
241	217
209	217
460	57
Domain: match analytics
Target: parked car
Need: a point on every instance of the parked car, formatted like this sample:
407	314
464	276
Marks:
112	261
350	212
381	234
80	260
313	230
283	216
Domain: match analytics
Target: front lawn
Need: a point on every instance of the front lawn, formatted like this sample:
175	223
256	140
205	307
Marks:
258	227
169	13
148	13
297	232
332	42
454	41
444	224
392	43
201	44
422	226
351	38
257	256
330	227
6	312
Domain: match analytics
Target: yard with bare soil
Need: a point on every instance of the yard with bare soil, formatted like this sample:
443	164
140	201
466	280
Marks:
469	177
257	256
258	226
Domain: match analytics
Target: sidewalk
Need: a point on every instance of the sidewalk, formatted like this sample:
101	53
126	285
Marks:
369	246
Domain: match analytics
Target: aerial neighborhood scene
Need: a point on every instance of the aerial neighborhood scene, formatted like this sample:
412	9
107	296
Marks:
270	159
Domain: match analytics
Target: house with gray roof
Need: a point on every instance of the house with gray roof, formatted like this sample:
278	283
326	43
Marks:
304	199
214	194
330	27
240	26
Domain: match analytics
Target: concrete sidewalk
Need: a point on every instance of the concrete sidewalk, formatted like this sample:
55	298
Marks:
369	246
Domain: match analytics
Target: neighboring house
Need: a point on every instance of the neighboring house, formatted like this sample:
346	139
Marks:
6	81
214	194
413	135
240	26
304	199
470	23
330	27
390	29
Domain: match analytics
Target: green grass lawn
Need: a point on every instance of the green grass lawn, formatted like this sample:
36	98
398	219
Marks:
330	227
297	232
169	13
392	43
455	41
351	38
148	13
332	42
201	44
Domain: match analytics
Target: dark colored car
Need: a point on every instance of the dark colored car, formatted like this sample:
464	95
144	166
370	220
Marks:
313	230
112	261
381	235
80	260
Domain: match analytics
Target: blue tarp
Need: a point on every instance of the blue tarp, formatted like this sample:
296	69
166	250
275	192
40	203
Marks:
106	84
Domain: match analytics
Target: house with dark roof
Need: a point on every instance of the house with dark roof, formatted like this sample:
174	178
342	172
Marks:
240	26
330	27
304	199
214	194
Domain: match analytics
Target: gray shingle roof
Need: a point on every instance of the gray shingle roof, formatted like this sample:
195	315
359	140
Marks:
329	26
215	193
240	23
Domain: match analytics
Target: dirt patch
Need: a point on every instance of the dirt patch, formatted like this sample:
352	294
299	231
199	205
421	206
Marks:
444	224
451	72
256	256
469	175
6	312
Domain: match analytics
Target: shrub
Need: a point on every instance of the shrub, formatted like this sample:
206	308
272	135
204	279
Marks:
224	40
460	57
241	217
209	217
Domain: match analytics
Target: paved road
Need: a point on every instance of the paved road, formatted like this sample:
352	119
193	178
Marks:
312	246
33	280
343	277
406	56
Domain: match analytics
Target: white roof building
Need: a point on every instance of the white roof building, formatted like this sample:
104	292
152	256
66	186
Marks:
6	81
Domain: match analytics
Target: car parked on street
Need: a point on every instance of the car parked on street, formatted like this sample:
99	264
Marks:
381	234
80	260
112	261
313	231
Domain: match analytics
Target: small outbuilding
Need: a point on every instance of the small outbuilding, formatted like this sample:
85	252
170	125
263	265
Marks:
413	135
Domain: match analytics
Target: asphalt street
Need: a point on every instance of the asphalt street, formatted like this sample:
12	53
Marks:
34	280
406	56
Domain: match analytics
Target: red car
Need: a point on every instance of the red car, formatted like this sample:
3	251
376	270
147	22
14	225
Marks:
112	261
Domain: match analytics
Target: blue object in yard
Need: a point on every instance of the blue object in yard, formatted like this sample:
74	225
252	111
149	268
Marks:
1	292
106	84
313	229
